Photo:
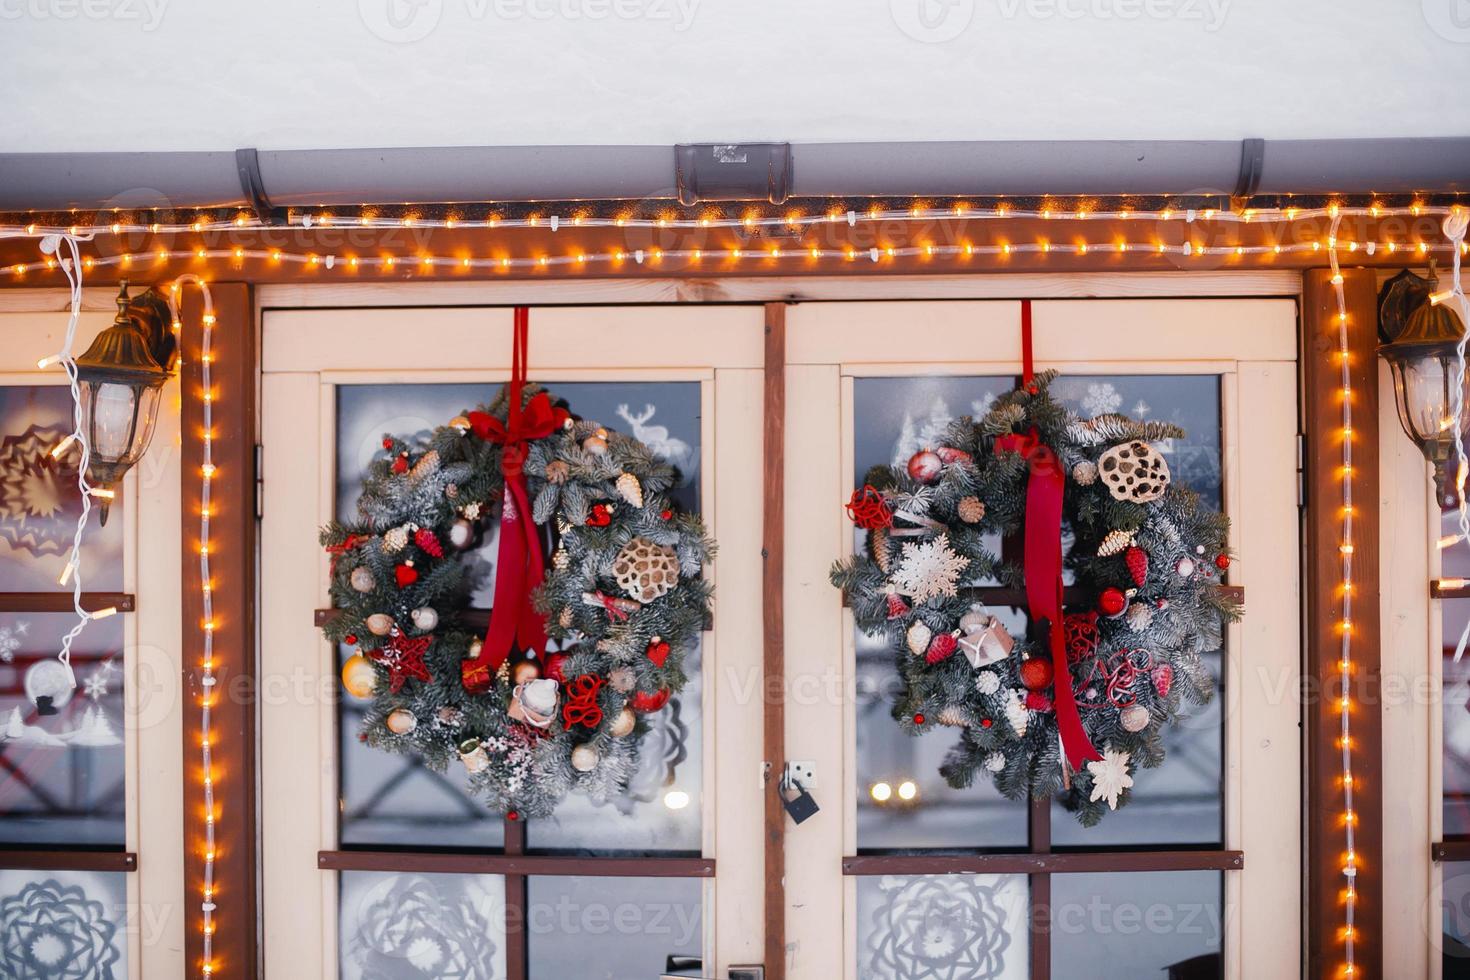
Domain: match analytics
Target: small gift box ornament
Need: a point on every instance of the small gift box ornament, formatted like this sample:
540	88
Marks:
984	640
534	702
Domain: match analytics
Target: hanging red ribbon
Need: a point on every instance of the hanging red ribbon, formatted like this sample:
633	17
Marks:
1043	558
520	565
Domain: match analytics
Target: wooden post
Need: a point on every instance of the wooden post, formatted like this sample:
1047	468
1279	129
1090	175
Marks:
232	559
1322	472
773	534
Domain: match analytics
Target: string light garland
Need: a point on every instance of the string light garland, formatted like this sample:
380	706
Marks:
793	220
71	264
714	257
207	626
1345	658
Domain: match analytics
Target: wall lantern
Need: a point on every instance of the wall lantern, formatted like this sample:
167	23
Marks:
121	378
1420	337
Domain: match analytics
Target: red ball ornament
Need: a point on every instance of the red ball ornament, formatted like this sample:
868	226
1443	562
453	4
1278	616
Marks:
986	722
666	514
1222	561
918	719
1038	701
601	516
1036	673
649	703
512	815
387	442
925	466
350	638
948	455
1112	602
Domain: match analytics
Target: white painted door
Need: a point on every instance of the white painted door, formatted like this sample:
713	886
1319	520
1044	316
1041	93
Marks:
866	381
688	381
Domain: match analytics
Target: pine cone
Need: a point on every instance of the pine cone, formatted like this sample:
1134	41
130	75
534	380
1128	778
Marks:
878	546
1114	543
1140	617
395	539
956	716
1084	473
972	510
1137	560
630	489
557	471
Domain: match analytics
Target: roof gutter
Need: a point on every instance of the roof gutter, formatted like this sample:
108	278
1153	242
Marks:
773	171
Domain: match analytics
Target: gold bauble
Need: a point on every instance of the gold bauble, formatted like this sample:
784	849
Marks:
380	624
623	724
401	721
585	758
358	676
526	670
362	579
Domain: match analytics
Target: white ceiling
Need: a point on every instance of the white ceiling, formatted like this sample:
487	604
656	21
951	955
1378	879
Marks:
78	75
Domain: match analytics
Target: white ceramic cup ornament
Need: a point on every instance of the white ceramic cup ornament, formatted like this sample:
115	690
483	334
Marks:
473	755
534	702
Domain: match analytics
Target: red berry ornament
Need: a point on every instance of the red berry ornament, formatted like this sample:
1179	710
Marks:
350	638
1111	602
1222	561
601	516
666	514
512	815
925	466
400	464
387	442
986	722
1037	701
1036	673
1137	561
918	719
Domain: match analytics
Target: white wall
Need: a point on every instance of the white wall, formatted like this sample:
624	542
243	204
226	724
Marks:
218	74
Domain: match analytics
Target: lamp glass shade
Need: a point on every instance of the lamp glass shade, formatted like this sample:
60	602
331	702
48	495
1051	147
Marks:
1423	382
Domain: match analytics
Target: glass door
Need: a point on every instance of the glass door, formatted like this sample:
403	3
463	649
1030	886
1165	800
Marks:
902	876
377	866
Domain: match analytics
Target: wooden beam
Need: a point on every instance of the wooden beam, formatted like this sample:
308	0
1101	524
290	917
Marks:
67	860
1322	472
232	560
38	602
1041	864
773	641
516	865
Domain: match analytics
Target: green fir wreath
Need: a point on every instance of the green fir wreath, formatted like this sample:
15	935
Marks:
1146	559
624	600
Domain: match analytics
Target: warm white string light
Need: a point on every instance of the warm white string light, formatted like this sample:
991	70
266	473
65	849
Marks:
1345	661
207	905
773	255
556	222
1454	230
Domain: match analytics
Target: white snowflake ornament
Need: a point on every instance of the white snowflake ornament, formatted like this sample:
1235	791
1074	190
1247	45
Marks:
929	570
1109	777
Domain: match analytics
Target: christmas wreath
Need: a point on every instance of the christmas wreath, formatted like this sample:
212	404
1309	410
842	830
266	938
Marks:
549	700
1076	706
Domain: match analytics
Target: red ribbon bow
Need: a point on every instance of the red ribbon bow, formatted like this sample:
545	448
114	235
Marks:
1043	555
581	707
520	565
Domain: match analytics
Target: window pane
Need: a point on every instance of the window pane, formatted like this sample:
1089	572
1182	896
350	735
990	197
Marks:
63	924
39	503
61	748
1454	614
944	927
1179	802
411	926
892	419
1454	901
613	928
385	796
1127	925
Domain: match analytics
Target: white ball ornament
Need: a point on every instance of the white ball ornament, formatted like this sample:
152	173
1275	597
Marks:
461	534
380	624
401	721
425	618
1185	567
585	758
362	579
